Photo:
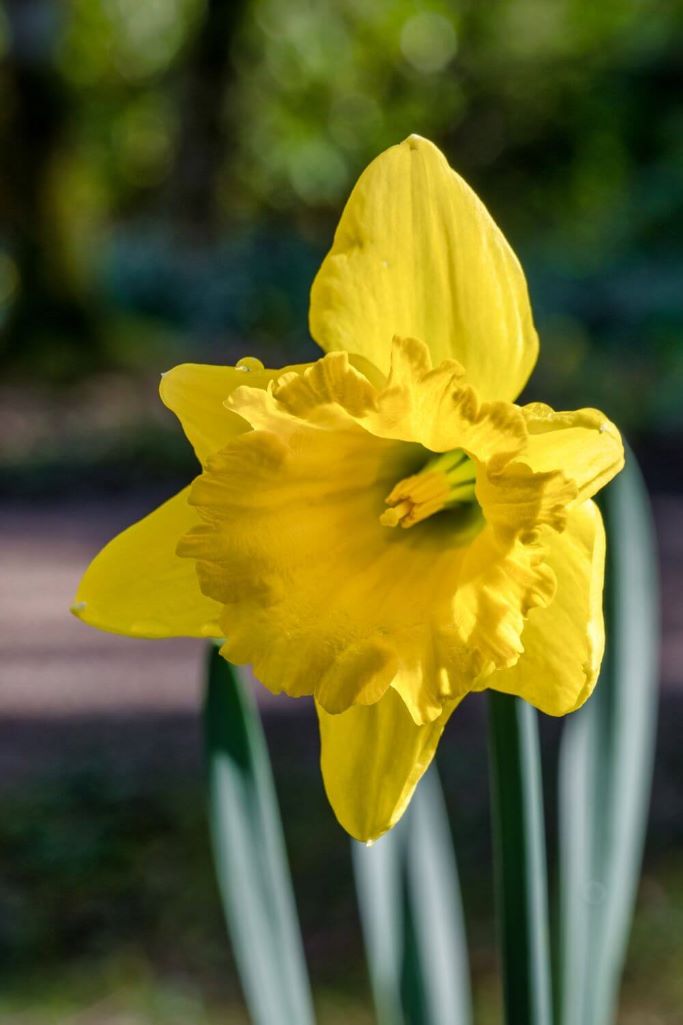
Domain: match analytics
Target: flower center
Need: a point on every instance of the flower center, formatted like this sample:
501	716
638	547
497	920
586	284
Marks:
445	482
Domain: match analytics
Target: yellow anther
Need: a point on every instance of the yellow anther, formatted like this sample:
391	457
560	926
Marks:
392	516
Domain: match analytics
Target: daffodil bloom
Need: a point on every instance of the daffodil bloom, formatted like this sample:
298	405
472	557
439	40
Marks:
384	529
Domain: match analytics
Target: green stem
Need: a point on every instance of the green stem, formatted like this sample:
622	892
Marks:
519	852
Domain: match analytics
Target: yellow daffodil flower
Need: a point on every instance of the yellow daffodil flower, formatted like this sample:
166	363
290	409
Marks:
384	529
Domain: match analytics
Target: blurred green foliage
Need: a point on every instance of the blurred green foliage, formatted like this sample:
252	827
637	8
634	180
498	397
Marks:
183	162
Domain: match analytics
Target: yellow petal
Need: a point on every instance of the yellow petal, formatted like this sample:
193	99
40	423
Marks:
138	585
564	642
417	254
372	759
582	443
196	393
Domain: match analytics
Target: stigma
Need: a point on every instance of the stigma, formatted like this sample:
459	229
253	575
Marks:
445	482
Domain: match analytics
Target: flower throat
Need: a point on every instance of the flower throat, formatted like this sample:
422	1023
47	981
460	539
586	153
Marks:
445	482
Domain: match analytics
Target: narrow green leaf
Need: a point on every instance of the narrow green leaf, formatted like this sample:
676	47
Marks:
378	871
437	913
578	801
411	912
606	768
519	851
249	855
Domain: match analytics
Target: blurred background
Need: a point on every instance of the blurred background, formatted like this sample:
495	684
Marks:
171	172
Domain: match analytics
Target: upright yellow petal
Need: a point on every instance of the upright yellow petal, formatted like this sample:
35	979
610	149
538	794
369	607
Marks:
417	254
137	584
372	758
196	393
564	642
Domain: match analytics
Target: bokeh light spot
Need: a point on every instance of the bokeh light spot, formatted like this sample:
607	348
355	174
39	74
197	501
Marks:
317	170
428	42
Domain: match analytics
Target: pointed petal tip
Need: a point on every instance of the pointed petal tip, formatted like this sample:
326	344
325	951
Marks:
416	141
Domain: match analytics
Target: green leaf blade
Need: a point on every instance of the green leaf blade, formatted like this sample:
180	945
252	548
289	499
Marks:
250	856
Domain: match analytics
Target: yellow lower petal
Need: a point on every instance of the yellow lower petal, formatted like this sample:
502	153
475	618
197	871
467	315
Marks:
137	584
372	759
564	642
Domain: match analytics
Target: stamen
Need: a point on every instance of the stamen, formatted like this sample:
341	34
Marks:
446	481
